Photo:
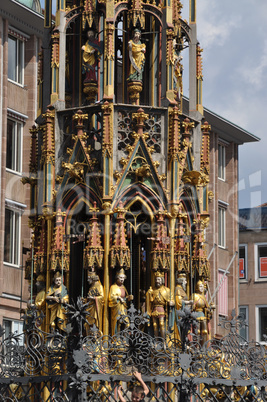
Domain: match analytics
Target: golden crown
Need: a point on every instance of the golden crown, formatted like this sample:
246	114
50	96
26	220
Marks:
40	278
120	272
159	274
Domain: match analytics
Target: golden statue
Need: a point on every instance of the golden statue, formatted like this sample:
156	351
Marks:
180	292
91	53
117	300
157	302
137	57
95	298
40	301
178	71
56	297
181	300
203	310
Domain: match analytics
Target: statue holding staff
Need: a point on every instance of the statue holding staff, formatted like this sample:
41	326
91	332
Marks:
117	300
56	297
137	51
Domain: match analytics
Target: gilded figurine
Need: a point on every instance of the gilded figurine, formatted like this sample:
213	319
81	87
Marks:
56	297
178	72
203	309
40	302
137	51
117	300
91	54
157	302
95	300
181	300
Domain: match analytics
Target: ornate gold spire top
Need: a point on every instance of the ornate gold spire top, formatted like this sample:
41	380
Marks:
94	252
187	126
120	252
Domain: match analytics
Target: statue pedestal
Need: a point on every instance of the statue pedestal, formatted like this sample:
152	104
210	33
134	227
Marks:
90	89
134	89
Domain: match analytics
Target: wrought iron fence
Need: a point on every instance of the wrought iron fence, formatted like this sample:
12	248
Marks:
71	366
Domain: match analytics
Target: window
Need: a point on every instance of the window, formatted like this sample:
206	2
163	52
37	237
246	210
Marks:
12	236
221	227
261	327
15	59
13	355
243	261
14	146
13	327
261	260
223	293
221	161
243	310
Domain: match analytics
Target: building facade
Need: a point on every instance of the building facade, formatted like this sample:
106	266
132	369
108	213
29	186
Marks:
252	271
21	27
222	233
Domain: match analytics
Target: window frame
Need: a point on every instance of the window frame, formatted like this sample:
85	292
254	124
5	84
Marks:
245	263
8	358
15	240
221	161
246	328
257	315
19	57
13	330
258	277
220	296
222	226
17	148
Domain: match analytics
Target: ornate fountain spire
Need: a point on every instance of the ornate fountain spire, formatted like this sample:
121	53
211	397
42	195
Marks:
93	252
59	258
160	254
181	257
120	252
199	260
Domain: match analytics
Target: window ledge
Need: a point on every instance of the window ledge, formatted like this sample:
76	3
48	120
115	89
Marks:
22	86
223	247
14	172
8	264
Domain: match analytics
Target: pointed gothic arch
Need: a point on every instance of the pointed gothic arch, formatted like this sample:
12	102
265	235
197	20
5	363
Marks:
77	203
148	197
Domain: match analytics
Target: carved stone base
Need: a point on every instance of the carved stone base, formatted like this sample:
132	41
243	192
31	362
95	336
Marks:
90	89
134	89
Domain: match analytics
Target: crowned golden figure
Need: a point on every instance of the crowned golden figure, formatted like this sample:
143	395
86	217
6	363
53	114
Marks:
95	298
203	310
56	297
137	57
117	300
157	302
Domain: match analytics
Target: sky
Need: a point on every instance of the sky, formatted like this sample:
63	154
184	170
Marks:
233	35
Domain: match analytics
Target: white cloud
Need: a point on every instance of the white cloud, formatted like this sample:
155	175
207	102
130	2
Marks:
216	33
255	73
